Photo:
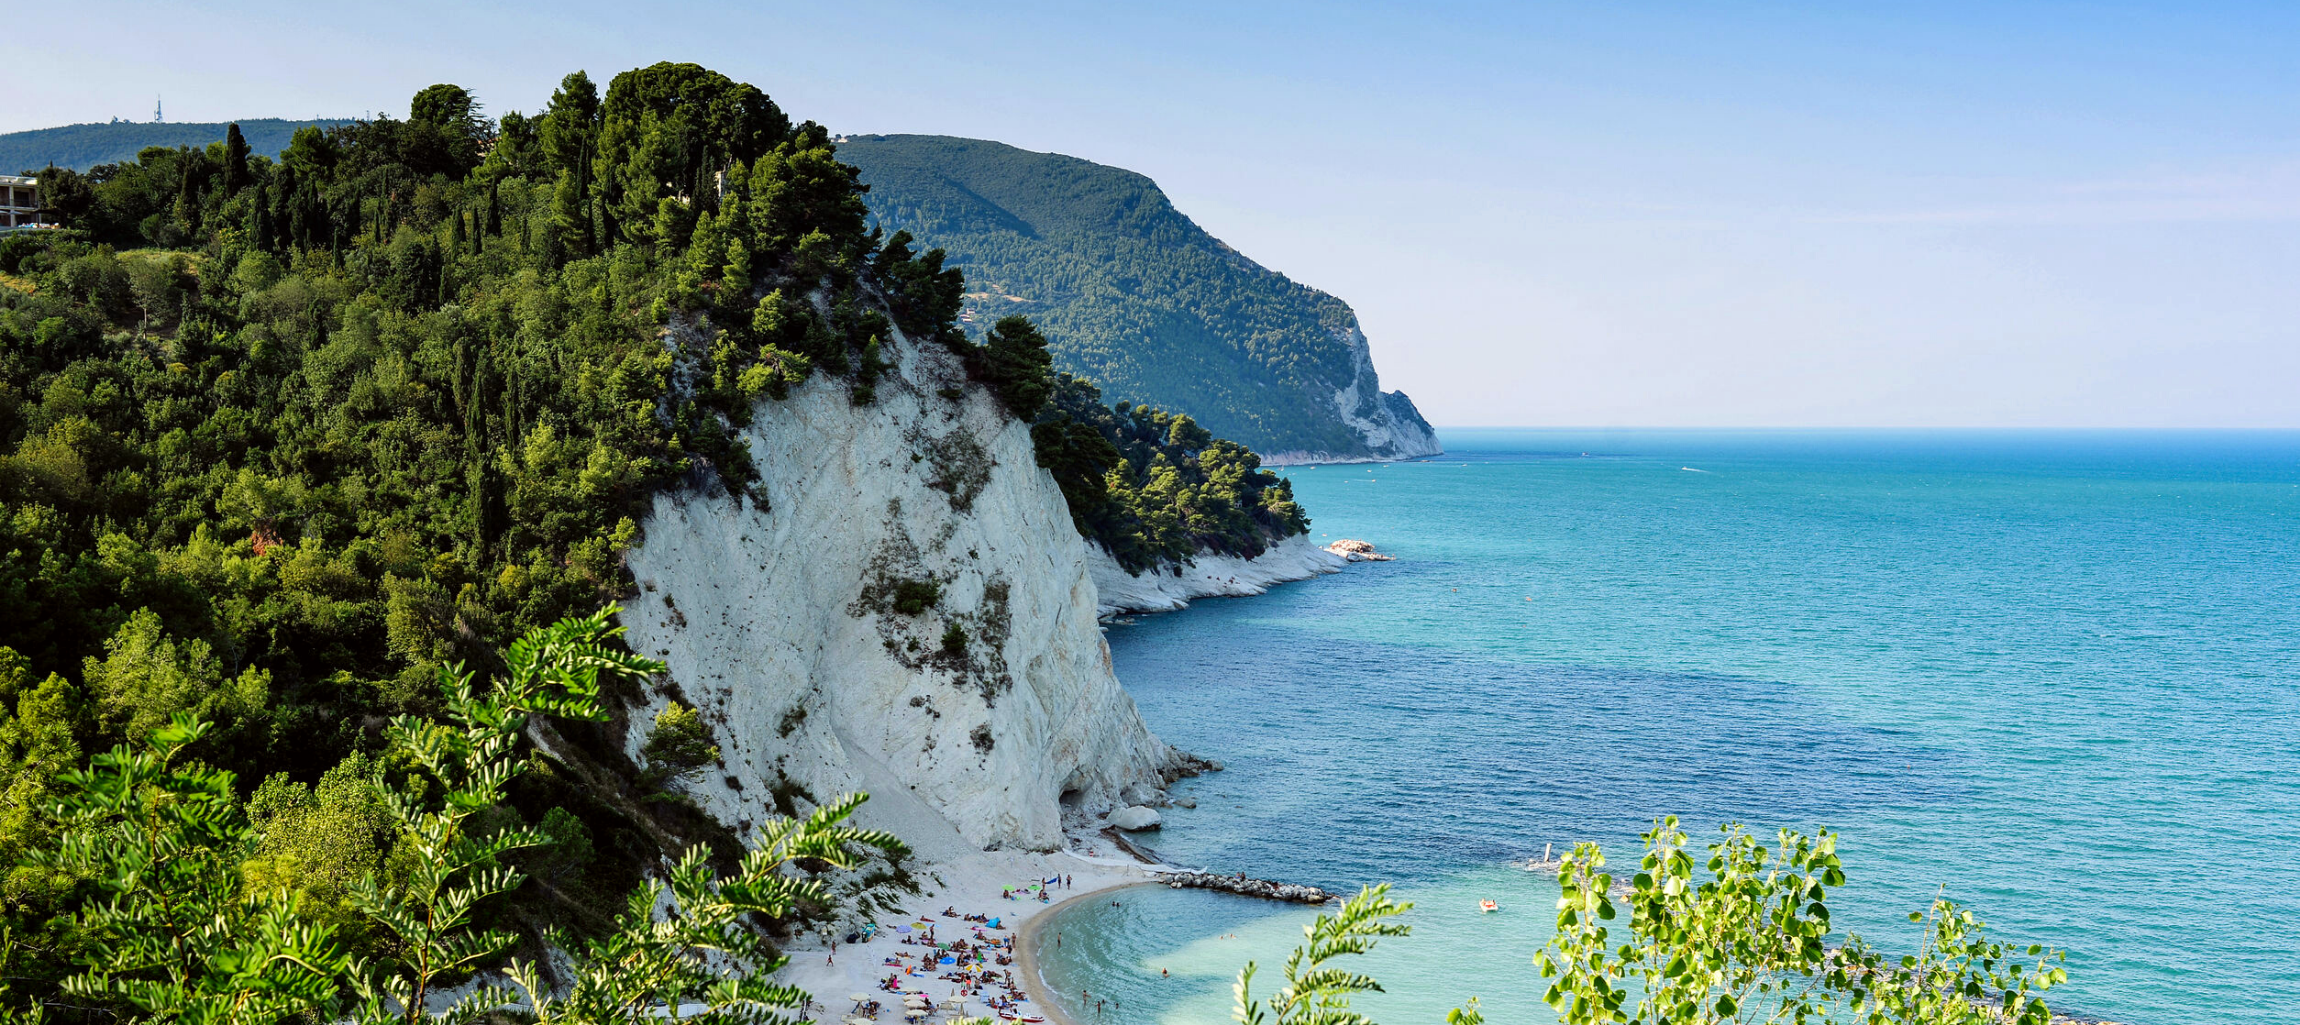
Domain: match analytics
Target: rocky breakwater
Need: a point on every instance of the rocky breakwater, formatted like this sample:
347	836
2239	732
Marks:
902	607
1245	887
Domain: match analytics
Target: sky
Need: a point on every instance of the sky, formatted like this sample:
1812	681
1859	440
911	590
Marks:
1848	214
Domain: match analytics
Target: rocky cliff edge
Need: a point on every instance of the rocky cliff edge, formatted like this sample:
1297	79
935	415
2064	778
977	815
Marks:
983	718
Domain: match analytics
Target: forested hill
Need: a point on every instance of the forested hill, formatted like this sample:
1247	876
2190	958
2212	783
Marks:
284	441
81	147
1137	298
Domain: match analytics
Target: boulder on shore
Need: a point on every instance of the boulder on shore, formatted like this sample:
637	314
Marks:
1135	818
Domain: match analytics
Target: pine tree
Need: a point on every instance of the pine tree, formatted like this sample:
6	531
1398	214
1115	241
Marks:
571	211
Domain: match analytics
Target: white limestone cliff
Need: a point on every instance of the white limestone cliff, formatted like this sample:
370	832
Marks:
1209	575
779	622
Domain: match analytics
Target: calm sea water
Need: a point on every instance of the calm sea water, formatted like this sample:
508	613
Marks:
2055	675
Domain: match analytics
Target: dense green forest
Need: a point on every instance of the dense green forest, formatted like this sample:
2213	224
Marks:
1154	487
80	147
280	440
1130	292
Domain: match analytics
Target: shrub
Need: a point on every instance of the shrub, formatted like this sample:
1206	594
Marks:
912	597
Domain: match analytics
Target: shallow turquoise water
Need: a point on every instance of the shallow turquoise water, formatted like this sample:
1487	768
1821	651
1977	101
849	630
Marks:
2056	674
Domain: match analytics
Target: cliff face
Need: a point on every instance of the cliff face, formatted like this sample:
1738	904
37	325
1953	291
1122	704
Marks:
980	721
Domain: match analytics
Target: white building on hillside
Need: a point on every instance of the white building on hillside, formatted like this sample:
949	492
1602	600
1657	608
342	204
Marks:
19	202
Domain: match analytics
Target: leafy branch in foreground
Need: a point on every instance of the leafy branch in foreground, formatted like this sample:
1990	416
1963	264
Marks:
1316	993
697	949
170	926
1750	944
471	752
165	929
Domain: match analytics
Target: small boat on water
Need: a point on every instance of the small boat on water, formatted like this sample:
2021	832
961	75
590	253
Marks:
1488	906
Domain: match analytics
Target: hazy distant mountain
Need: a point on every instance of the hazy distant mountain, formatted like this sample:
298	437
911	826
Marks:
81	147
1137	298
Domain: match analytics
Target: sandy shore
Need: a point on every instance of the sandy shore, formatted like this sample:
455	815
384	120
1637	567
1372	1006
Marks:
971	886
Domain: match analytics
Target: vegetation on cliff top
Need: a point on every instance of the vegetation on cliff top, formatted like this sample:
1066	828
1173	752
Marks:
1154	487
1131	293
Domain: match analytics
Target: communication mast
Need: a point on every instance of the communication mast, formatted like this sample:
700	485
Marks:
156	118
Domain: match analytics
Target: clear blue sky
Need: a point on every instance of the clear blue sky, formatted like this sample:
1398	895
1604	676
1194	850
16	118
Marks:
1717	214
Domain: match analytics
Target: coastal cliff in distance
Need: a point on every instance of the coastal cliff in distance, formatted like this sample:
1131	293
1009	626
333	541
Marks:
1137	298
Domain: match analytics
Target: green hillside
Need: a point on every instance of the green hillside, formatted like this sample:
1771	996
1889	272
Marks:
1137	298
282	442
81	147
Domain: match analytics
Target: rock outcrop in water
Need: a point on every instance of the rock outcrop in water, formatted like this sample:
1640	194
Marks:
1355	550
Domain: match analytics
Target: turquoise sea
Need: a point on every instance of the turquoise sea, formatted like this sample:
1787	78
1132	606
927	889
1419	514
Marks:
2055	675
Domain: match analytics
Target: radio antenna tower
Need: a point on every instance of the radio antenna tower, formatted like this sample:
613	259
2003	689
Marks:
156	118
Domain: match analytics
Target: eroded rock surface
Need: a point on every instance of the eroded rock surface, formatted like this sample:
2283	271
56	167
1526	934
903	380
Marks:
799	627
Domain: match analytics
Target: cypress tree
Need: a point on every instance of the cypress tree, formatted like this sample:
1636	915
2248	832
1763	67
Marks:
260	220
494	208
235	159
187	181
456	233
347	226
